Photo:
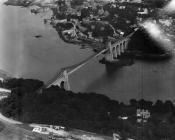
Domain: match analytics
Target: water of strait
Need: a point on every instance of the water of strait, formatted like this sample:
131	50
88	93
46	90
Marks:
23	55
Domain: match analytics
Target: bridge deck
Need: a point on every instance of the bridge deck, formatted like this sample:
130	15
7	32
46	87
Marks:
73	68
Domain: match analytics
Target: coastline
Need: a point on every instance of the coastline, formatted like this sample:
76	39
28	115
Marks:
92	45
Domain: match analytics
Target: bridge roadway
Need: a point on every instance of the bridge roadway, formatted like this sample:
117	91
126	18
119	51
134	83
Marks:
63	74
71	69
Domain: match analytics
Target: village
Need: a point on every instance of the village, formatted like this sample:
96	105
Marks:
96	21
93	22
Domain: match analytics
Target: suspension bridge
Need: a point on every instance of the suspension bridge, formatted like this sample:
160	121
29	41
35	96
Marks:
111	52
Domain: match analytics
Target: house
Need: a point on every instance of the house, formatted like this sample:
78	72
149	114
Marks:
136	1
116	136
166	22
1	79
122	7
142	115
90	35
68	3
139	19
101	11
143	11
123	117
3	90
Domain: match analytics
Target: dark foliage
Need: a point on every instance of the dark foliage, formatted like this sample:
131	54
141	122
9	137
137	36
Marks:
77	2
91	112
2	126
155	3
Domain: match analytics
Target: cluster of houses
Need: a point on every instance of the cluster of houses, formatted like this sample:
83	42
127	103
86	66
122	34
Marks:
142	116
3	91
61	133
122	15
109	12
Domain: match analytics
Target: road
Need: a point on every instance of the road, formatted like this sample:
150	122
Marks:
12	131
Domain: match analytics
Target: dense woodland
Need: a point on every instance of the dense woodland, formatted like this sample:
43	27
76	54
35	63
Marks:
92	112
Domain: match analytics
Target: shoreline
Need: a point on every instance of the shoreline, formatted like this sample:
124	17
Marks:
94	46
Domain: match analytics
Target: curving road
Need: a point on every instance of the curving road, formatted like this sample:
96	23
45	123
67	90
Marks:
12	131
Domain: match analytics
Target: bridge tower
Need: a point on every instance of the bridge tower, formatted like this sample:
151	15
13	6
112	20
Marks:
62	81
116	49
110	54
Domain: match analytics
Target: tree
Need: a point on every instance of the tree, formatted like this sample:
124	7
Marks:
164	131
168	106
158	106
133	102
155	3
77	2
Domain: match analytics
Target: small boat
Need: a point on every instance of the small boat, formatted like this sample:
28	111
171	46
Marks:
38	36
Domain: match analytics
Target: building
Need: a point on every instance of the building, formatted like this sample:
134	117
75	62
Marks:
68	3
3	90
143	11
1	79
142	115
121	1
116	136
166	22
136	1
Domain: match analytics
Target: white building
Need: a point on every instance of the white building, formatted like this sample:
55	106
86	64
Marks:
143	12
116	136
121	1
166	22
136	1
142	115
122	7
1	79
3	90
